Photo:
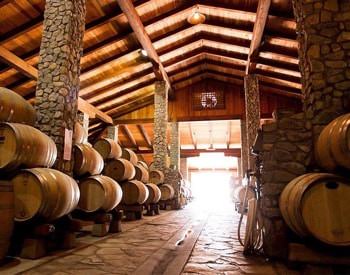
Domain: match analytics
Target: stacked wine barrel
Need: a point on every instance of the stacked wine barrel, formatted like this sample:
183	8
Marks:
316	204
122	166
26	158
98	193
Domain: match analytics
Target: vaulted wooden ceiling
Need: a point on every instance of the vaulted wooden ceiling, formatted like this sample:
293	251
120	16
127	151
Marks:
237	37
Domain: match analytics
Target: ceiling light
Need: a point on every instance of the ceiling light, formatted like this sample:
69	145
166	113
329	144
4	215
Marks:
144	53
196	18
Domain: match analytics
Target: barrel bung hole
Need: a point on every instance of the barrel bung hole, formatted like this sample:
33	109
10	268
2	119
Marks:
332	185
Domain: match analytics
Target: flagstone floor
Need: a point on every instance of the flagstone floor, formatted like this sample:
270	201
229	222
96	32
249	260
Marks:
195	240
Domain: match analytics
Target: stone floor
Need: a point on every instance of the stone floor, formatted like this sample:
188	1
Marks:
205	238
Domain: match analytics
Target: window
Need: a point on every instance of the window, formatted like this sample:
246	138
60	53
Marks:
208	100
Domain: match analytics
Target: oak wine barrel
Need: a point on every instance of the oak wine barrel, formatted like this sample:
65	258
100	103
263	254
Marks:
80	135
119	169
87	161
108	148
167	192
141	173
134	192
14	108
240	192
144	164
44	193
129	155
333	147
156	177
317	204
23	145
7	214
99	193
154	193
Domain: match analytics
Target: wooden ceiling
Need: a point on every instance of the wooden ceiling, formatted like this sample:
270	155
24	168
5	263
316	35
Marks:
237	37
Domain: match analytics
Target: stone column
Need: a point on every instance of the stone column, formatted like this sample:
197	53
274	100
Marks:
83	119
239	168
184	168
175	145
323	30
112	132
252	111
59	70
160	125
244	148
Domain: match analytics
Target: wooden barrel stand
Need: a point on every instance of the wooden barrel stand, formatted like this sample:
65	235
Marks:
131	212
116	222
170	204
99	220
152	209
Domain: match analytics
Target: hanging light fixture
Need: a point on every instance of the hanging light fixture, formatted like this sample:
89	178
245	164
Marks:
196	17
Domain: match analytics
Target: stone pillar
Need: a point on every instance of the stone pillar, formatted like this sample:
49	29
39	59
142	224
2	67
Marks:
252	111
323	29
175	145
239	168
244	148
112	132
184	168
160	125
59	70
83	119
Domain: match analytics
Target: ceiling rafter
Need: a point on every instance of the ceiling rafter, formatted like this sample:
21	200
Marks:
144	134
262	14
32	72
127	133
136	24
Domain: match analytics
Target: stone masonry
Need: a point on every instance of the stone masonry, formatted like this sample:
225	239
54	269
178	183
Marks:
160	125
244	148
323	28
59	70
286	155
252	100
174	145
184	168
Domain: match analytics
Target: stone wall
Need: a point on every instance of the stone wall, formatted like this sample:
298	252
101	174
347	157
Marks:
244	147
184	168
323	28
286	155
174	145
252	113
160	146
59	70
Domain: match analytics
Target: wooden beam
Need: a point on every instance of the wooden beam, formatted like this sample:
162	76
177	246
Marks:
144	135
130	106
32	73
126	131
185	153
258	31
4	3
136	24
18	63
193	136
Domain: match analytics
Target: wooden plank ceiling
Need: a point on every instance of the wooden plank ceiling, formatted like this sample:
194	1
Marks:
237	37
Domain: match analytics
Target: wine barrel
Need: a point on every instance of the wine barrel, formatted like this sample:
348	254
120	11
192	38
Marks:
240	192
80	135
156	177
44	193
141	173
144	164
154	193
317	204
332	148
119	169
7	214
167	192
23	145
87	161
108	148
129	155
134	192
99	193
14	108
